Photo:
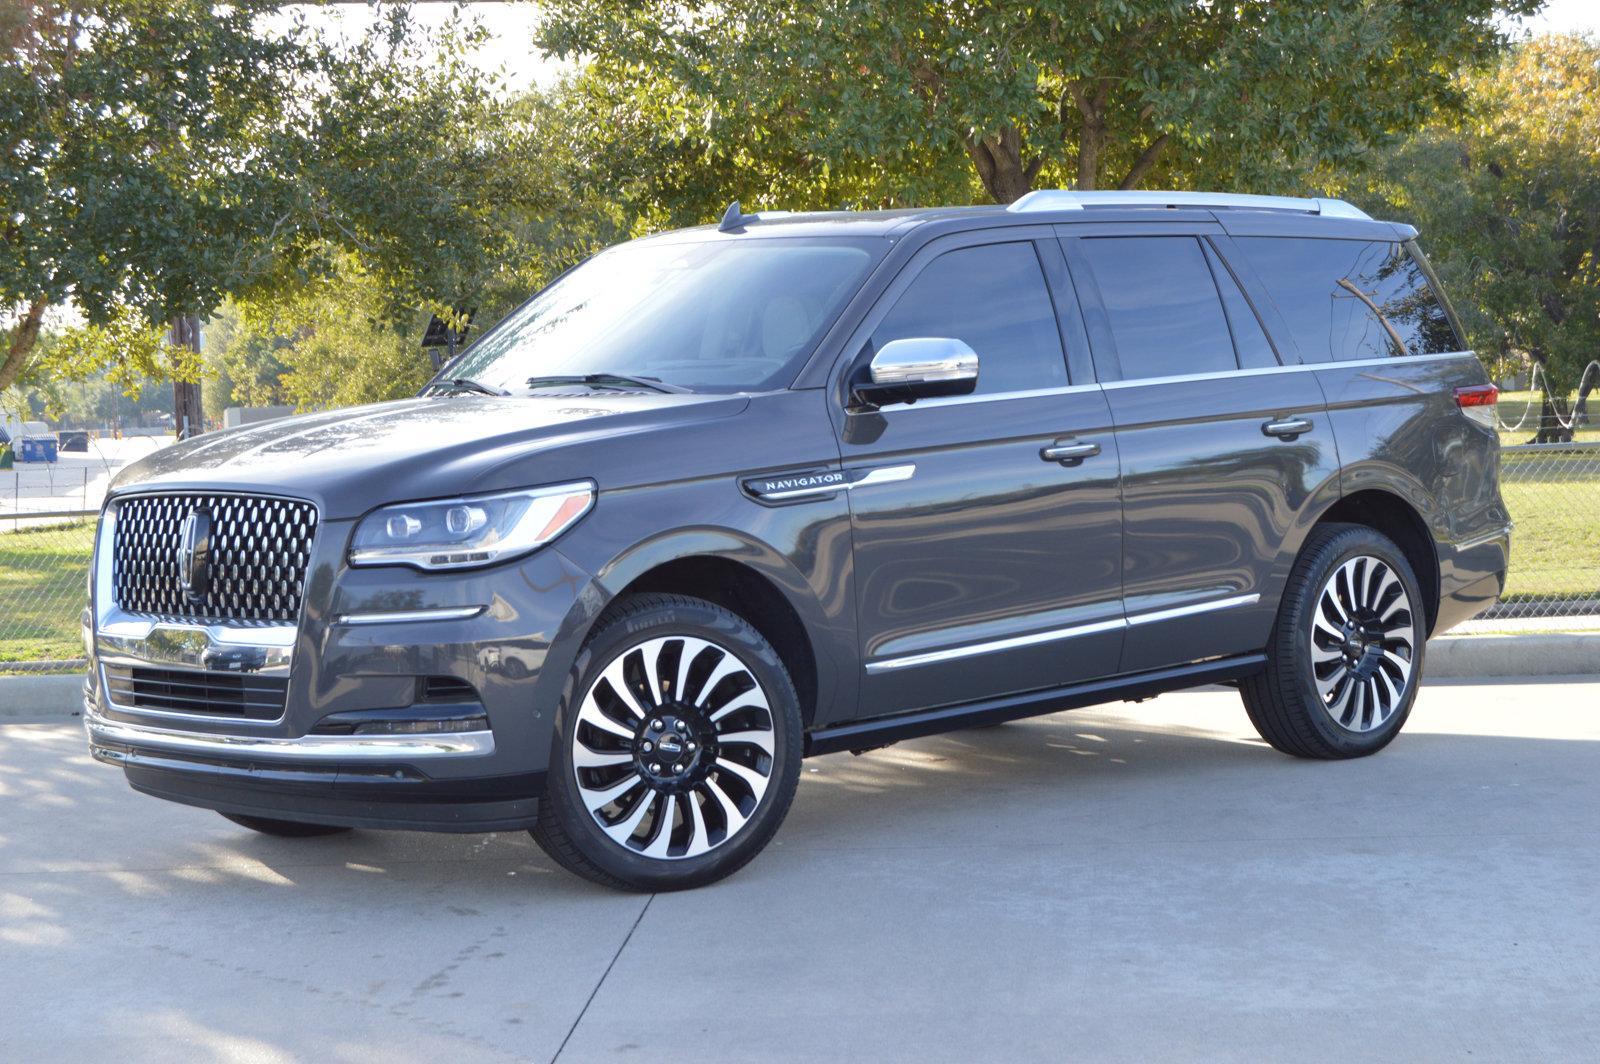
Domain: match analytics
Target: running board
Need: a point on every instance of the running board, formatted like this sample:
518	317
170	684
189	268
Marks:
881	731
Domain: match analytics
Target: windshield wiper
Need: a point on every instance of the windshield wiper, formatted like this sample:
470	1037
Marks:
608	380
467	384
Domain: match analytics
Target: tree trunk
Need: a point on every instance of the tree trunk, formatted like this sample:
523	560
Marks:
1552	411
1580	409
24	335
999	161
1092	133
1146	160
188	416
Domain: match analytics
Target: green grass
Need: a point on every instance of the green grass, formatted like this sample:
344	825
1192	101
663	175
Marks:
1555	502
42	591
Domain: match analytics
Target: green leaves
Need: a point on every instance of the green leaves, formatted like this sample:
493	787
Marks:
1507	197
157	156
1249	94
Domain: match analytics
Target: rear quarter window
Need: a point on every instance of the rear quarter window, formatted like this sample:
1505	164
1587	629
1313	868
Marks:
1344	300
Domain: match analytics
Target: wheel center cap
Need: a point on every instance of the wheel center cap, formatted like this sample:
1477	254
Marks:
669	747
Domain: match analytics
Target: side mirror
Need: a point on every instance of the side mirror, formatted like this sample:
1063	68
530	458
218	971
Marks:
919	367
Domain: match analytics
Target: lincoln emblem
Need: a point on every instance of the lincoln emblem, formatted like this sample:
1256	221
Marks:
194	554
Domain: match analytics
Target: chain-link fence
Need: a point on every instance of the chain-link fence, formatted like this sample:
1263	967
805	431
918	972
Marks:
1552	490
44	567
1553	493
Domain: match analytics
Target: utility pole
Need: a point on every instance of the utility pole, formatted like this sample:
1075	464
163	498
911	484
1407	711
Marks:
187	416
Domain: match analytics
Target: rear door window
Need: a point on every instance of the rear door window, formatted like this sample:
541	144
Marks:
994	298
1345	300
1162	304
1249	338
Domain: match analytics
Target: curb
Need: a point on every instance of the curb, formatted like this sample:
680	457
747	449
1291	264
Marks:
1456	657
1476	657
32	697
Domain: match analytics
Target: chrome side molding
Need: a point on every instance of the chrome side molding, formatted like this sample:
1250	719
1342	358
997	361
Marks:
934	657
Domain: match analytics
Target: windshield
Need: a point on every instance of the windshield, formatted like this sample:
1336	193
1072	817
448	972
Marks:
709	316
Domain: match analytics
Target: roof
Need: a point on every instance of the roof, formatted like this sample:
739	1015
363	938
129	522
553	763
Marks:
1064	206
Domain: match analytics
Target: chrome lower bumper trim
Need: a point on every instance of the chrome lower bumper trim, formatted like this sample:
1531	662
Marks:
443	613
318	748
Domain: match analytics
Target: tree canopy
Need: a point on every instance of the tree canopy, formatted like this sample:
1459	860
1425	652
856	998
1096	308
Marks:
159	155
1508	203
875	96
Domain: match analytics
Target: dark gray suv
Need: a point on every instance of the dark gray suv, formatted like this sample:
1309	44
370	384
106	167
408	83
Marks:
724	498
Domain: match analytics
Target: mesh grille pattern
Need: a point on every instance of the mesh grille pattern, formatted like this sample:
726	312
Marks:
259	551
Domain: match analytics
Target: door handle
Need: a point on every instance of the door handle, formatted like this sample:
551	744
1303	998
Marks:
1069	453
1287	428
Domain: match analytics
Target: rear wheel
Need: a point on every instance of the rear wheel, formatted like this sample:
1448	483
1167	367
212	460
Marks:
285	829
677	748
1346	654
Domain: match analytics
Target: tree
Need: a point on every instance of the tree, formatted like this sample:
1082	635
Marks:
124	130
329	343
1508	202
159	155
1250	93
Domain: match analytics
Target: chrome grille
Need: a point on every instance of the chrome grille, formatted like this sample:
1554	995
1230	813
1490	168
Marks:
259	551
213	694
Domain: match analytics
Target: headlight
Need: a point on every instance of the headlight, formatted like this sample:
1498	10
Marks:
462	533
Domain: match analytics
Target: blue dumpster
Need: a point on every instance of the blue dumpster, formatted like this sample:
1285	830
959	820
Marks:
37	449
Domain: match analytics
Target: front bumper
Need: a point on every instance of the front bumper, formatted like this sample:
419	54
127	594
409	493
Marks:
365	781
367	644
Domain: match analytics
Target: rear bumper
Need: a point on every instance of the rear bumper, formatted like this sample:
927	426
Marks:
1472	577
367	781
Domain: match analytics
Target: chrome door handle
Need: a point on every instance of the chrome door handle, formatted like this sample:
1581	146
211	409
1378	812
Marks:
1069	453
1287	428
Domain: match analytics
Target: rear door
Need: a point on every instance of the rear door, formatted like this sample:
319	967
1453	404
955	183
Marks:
1222	447
983	565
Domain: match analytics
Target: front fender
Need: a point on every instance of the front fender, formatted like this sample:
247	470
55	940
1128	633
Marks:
802	550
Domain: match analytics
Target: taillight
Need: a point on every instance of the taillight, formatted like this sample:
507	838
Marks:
1478	403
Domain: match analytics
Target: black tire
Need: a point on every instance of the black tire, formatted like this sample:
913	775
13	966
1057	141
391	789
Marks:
576	839
1359	714
285	829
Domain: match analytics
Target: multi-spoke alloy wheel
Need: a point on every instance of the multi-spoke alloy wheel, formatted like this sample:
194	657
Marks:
673	748
678	747
1362	643
1345	656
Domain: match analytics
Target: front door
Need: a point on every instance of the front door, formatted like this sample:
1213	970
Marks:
984	564
1222	447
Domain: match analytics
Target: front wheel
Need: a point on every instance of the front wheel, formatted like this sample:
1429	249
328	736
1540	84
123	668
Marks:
677	748
1346	653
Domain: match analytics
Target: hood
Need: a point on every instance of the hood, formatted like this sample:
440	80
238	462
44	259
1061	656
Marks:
348	461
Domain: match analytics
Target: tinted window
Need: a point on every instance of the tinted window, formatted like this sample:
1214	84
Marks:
1351	299
1249	338
1165	314
994	298
717	315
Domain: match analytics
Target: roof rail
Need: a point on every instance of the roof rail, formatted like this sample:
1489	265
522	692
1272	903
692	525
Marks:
1057	199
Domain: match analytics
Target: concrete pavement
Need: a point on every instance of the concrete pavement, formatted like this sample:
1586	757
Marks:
1127	883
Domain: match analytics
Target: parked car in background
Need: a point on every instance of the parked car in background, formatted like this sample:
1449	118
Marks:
724	498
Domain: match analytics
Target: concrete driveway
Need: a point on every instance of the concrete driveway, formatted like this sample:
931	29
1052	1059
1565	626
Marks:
1137	883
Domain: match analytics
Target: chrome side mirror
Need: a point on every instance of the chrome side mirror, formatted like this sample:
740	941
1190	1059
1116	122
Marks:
918	367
